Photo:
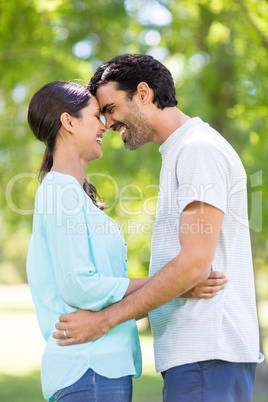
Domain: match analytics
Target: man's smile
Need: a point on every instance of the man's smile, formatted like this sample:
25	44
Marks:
122	131
121	128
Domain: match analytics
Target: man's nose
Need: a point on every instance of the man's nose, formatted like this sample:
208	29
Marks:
109	122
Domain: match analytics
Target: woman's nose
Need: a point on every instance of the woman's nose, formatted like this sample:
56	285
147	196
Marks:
103	128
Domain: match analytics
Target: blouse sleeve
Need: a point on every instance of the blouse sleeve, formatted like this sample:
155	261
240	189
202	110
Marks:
78	280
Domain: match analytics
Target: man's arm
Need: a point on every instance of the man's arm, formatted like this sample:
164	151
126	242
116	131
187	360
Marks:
185	271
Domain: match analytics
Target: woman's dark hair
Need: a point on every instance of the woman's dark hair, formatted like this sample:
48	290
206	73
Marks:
44	113
129	70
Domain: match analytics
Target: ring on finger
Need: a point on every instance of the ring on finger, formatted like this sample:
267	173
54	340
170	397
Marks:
64	334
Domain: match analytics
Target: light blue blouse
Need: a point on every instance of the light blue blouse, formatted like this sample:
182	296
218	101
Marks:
78	257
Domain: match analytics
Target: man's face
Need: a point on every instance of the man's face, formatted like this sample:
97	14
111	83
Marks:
125	116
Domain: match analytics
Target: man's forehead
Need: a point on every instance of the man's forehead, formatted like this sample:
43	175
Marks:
106	90
107	94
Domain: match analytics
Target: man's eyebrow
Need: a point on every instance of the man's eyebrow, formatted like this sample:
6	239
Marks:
103	110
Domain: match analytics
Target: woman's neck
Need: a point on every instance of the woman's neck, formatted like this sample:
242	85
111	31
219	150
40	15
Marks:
68	165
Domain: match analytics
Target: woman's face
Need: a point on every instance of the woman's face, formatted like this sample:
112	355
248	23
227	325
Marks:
88	132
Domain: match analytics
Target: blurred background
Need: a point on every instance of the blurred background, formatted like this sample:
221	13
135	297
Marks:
216	51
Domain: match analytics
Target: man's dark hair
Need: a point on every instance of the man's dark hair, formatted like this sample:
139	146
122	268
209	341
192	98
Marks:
129	70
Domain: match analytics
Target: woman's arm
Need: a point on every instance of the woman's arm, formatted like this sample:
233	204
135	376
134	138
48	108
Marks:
204	290
78	279
135	284
208	288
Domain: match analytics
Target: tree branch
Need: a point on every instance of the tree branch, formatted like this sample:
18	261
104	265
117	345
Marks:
263	38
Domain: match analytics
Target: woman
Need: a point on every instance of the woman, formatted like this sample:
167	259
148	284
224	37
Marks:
77	254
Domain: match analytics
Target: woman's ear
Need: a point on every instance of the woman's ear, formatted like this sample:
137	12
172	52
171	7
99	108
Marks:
67	122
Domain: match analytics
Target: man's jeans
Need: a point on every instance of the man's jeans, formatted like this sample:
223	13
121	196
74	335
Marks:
92	387
209	381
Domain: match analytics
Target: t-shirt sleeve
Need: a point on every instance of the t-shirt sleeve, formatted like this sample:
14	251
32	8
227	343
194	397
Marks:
203	172
79	282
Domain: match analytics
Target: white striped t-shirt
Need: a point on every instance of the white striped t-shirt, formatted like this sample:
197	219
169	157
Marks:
198	164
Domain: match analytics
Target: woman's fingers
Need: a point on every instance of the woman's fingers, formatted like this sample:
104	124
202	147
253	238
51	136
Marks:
214	282
215	279
211	289
216	275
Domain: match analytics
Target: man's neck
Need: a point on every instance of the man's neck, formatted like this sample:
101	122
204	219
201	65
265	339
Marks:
166	122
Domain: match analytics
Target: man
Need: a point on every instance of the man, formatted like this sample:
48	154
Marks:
206	350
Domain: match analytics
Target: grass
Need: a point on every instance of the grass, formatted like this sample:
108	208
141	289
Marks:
21	346
21	388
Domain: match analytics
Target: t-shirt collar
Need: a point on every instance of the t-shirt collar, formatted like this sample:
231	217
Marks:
174	136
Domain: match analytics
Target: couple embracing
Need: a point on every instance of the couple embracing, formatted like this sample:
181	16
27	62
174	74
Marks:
205	331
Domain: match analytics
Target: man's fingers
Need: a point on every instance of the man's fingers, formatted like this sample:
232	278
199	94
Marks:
66	342
67	337
59	335
61	326
64	317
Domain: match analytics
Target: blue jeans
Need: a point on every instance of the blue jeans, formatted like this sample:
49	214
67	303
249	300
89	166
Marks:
209	381
93	387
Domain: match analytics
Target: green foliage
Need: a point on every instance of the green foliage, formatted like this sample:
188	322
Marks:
217	53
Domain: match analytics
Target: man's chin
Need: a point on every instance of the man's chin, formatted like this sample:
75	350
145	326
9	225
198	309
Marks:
131	147
132	144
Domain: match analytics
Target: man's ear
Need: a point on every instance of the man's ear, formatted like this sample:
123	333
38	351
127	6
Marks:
67	122
144	92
